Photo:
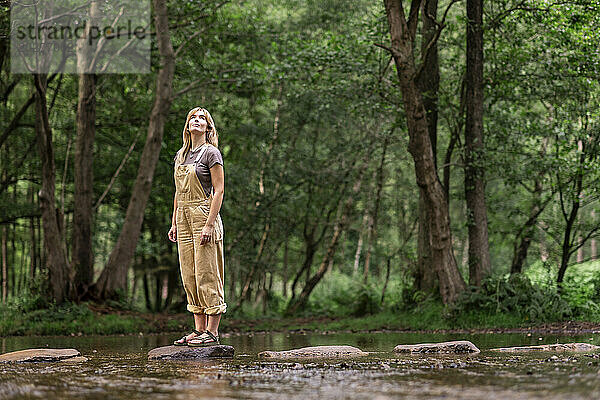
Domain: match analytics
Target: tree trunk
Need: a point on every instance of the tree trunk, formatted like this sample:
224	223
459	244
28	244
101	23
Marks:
245	295
13	255
455	132
425	275
580	252
285	265
83	257
4	236
593	242
157	290
147	292
22	269
172	281
567	244
525	235
428	82
56	260
4	266
429	77
387	279
571	217
309	254
372	236
33	239
479	252
114	275
543	247
233	275
368	248
450	281
359	245
133	290
10	260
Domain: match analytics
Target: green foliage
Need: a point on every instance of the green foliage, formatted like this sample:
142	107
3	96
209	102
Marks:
583	294
273	306
516	296
21	318
34	297
595	292
343	295
367	300
120	301
413	298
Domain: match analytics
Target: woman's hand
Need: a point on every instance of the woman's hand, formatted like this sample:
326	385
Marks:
172	233
206	234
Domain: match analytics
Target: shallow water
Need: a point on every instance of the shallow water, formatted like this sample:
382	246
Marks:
118	369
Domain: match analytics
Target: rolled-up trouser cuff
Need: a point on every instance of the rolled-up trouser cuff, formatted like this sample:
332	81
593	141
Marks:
220	309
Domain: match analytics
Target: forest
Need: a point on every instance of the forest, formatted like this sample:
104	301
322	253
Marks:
380	157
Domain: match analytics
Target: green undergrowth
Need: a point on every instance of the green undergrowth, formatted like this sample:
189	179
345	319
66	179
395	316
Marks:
340	303
429	318
80	320
65	320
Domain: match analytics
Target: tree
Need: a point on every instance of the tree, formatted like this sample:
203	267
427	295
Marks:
577	169
429	82
345	207
402	33
58	267
83	257
52	218
479	252
114	276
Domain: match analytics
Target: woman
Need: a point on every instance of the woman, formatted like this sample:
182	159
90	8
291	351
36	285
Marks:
197	227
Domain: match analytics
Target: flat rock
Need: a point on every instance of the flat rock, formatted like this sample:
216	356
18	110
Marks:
190	353
43	355
455	347
557	348
315	352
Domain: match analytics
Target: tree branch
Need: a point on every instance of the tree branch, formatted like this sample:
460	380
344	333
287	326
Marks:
440	26
200	82
14	123
413	18
116	174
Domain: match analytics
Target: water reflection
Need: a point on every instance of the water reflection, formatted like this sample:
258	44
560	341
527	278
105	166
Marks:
118	369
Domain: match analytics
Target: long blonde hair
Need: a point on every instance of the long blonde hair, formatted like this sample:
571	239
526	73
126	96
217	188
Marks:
212	136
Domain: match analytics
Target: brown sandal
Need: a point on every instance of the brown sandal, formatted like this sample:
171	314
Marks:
183	341
206	339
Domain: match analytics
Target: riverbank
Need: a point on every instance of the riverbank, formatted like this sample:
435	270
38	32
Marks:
92	319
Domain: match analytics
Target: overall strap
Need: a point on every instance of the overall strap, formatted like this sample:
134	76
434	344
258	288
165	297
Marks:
198	160
200	154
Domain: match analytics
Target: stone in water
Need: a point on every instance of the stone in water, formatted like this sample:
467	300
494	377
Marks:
558	348
315	352
190	353
43	355
455	347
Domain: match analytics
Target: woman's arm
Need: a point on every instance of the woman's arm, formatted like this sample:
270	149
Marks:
217	177
173	231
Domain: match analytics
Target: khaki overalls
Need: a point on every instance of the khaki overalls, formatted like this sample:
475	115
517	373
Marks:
202	266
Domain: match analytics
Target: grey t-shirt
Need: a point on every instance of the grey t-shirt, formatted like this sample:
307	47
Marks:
209	158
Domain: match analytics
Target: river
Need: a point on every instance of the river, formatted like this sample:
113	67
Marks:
118	368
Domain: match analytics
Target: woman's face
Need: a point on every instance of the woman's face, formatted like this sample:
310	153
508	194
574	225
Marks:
198	123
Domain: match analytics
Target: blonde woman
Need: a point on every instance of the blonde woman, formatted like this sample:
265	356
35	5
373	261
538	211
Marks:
197	227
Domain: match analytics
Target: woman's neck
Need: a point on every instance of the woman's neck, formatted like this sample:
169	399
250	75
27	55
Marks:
197	141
